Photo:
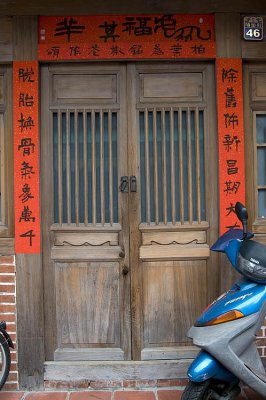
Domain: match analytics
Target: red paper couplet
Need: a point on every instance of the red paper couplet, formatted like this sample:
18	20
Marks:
26	157
126	37
231	139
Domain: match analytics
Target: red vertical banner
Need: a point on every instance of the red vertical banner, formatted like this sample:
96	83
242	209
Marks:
26	157
231	139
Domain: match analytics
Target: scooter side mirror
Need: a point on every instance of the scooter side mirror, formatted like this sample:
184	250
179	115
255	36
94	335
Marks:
242	215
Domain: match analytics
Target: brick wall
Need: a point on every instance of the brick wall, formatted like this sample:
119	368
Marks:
8	312
261	342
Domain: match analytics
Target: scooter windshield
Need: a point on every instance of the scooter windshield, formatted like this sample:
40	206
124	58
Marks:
223	241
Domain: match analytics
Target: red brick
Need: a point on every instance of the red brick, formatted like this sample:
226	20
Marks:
171	382
7	298
46	396
134	395
91	395
11	395
5	278
7	260
7	308
140	384
7	268
11	386
57	385
169	394
105	384
8	318
7	288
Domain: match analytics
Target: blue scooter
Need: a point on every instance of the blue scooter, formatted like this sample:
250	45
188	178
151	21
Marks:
227	329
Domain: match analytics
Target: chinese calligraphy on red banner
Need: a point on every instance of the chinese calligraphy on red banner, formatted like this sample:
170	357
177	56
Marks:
231	139
26	157
126	37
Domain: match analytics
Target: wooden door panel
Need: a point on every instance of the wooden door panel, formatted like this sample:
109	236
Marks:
83	144
172	215
88	311
170	304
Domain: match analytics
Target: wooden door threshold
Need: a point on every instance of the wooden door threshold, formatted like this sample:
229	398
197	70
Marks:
115	370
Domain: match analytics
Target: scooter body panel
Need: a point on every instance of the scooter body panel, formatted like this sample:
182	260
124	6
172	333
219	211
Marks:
206	367
245	296
232	345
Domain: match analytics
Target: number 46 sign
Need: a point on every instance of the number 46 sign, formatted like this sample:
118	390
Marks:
253	28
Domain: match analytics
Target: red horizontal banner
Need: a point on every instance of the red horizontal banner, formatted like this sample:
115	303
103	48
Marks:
26	157
231	139
126	37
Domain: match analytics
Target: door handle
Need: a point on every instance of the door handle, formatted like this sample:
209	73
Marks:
123	184
125	270
133	183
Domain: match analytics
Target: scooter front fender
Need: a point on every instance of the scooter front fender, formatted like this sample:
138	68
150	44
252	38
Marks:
206	367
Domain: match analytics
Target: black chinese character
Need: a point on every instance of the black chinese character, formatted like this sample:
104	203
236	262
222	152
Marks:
94	50
74	50
26	215
116	50
53	51
232	168
186	33
157	50
26	170
230	99
231	120
236	225
25	123
229	74
136	49
198	49
26	193
167	23
27	146
230	209
139	30
231	187
25	100
229	141
68	26
25	74
29	235
109	31
176	49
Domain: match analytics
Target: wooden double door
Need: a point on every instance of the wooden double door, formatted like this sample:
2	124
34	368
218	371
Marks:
129	207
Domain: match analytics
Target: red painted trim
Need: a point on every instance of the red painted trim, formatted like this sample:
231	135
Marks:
230	138
26	157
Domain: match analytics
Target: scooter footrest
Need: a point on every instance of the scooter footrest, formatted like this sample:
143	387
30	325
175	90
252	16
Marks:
258	373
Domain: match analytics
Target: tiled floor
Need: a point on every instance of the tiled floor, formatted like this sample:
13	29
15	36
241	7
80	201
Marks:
160	394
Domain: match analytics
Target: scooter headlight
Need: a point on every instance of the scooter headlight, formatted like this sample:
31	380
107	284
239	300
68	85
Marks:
226	317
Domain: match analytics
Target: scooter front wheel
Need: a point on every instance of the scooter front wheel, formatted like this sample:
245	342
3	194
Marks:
210	390
197	391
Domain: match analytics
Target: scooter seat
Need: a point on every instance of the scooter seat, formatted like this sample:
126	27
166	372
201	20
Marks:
252	260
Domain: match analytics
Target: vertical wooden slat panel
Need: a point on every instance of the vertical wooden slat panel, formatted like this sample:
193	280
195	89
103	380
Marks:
85	166
197	143
164	167
155	163
76	167
111	205
181	189
60	174
68	171
147	167
102	169
189	164
93	161
172	155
